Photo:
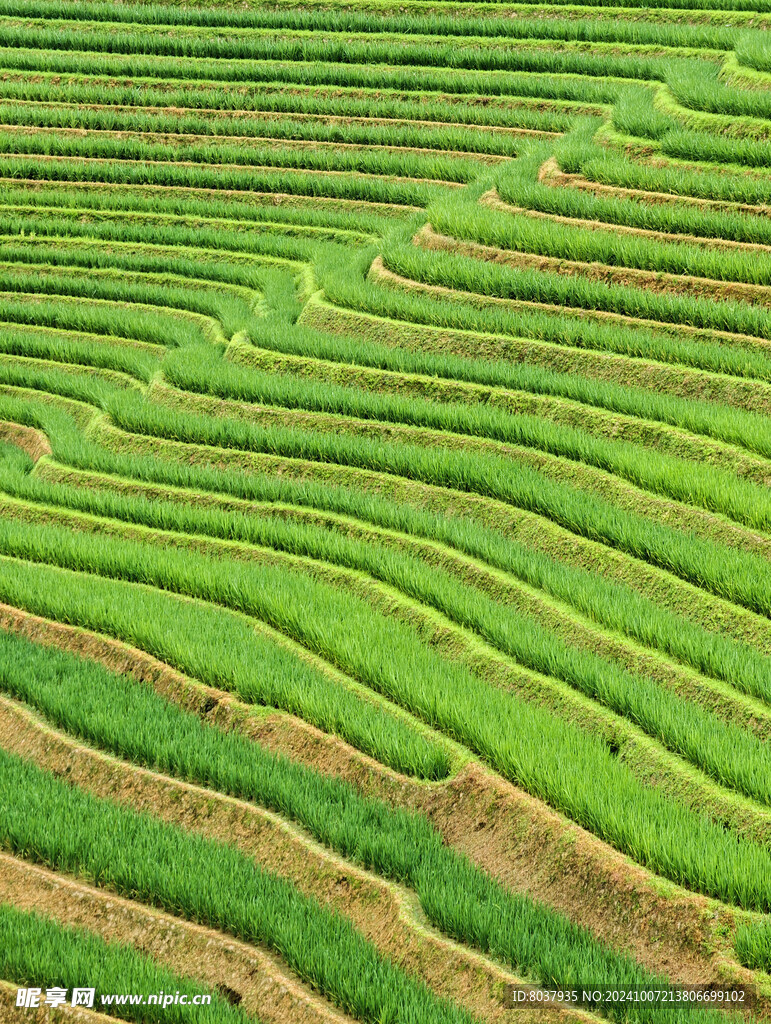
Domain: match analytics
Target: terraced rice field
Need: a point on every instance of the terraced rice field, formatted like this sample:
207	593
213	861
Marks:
385	518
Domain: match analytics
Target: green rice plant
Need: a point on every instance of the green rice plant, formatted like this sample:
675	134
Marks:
522	233
219	287
707	183
396	22
695	647
519	185
166	13
232	306
36	950
283	155
729	573
724	752
236	129
619	607
204	103
514	88
219	239
616	606
350	291
722	124
278	227
355	186
62	348
239	279
540	61
83	384
449	270
225	650
208	882
159	178
110	320
636	114
203	371
456	895
612	605
752	944
736	575
696	145
310	353
395	47
509	732
91	206
752	51
699	87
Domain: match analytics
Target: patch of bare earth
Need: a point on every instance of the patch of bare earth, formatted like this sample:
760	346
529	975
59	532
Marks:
515	837
32	441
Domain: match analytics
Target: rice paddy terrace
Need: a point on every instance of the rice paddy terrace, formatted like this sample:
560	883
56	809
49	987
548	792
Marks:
385	518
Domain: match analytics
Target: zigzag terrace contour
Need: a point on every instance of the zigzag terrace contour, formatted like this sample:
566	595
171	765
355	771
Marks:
384	507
